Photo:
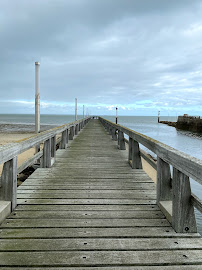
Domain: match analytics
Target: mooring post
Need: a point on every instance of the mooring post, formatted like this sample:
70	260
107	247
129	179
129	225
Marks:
37	102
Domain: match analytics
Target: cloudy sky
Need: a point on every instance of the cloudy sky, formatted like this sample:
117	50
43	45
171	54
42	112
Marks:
140	55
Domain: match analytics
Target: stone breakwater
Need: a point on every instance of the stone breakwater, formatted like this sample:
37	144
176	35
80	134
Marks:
190	123
186	122
169	123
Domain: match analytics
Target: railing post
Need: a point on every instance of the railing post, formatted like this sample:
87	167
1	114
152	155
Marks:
53	148
130	149
136	158
110	130
8	190
183	217
114	136
47	154
79	126
71	133
63	143
163	187
121	141
76	130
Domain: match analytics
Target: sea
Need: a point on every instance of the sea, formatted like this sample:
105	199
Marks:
185	141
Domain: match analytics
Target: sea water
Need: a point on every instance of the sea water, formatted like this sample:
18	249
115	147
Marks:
187	142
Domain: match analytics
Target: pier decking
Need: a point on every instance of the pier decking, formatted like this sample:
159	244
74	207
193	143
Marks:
91	209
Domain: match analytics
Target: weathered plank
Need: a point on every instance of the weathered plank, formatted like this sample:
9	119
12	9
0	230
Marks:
99	244
101	258
90	212
134	232
82	223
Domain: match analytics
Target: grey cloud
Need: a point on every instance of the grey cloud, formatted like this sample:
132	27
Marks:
112	52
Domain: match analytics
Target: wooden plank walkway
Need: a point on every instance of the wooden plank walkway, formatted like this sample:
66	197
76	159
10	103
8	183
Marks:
92	210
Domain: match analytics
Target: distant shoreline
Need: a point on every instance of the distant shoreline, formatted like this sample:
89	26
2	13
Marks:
23	128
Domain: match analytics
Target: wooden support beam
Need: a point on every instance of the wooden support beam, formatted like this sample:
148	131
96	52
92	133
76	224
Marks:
121	141
136	158
63	143
47	154
164	192
130	150
53	146
75	129
8	190
183	217
30	162
114	135
71	134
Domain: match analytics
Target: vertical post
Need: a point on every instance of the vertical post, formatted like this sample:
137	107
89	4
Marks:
183	217
116	115
83	111
130	149
76	129
67	137
75	109
121	141
63	143
163	186
136	158
8	190
47	154
71	133
37	102
53	148
158	116
114	136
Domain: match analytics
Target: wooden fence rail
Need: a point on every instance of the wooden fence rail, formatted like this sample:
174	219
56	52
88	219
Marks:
9	153
174	195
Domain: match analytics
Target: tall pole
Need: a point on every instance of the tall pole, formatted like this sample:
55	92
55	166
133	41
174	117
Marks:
158	116
83	111
116	115
37	102
75	109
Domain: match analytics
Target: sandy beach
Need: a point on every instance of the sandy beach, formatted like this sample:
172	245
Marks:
13	137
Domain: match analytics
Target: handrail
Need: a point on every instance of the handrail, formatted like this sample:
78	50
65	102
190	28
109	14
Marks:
9	153
189	165
174	196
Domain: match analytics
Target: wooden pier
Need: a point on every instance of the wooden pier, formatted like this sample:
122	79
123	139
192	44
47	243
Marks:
91	205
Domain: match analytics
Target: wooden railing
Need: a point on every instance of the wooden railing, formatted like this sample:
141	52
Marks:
47	156
174	195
